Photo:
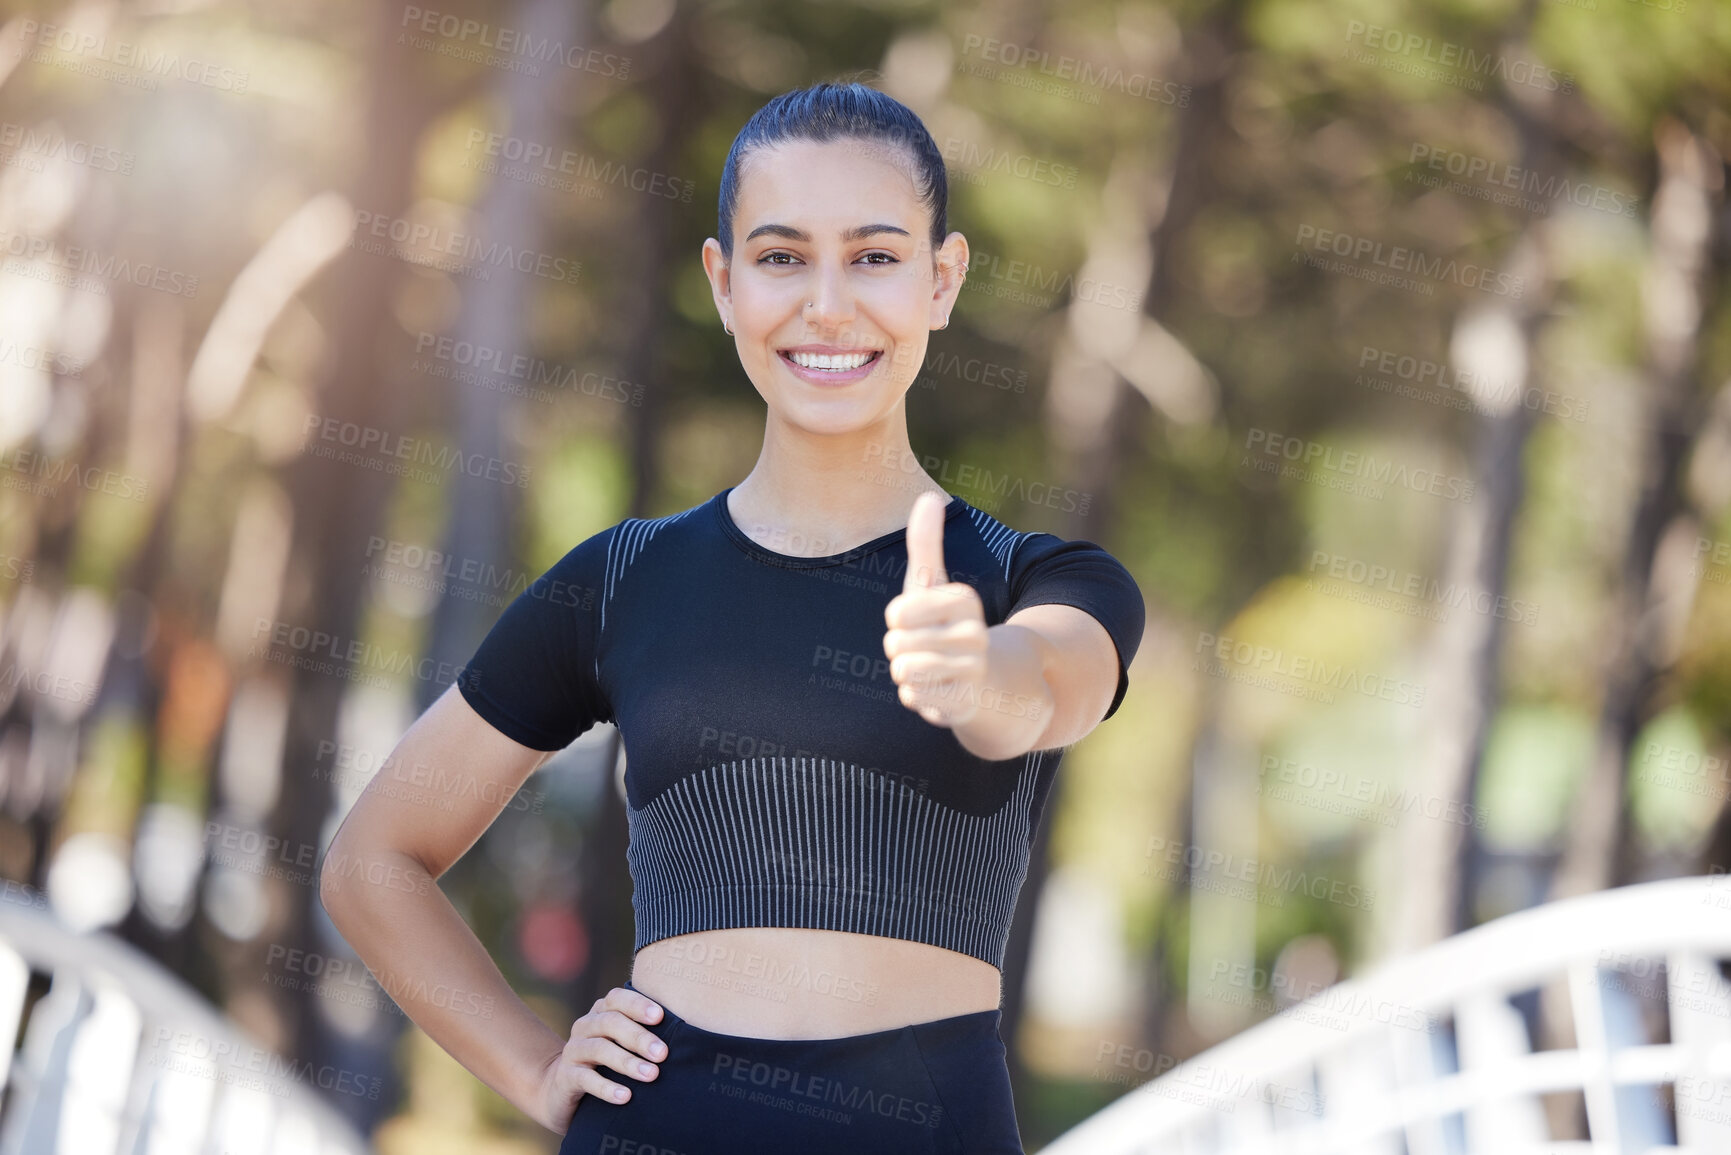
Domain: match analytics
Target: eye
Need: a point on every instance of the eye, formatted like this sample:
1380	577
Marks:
783	257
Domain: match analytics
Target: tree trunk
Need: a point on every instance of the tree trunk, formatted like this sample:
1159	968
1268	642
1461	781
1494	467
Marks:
606	883
1092	432
134	675
1495	344
1598	850
1462	675
336	507
494	316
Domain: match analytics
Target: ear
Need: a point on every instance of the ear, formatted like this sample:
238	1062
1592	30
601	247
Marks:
720	277
952	260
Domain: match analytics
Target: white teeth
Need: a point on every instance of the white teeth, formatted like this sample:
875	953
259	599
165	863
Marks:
838	362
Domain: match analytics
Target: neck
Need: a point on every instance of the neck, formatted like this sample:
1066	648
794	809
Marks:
830	491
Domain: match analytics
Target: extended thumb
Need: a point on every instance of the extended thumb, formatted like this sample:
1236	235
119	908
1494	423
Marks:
926	543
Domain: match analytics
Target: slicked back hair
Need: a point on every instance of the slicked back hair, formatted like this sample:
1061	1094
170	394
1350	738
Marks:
824	112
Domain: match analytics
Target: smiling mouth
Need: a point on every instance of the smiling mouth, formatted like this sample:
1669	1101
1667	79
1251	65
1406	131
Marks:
831	362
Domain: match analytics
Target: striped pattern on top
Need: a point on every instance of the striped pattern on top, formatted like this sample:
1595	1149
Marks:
999	538
828	845
628	539
623	545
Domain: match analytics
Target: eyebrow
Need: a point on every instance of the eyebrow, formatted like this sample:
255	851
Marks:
857	233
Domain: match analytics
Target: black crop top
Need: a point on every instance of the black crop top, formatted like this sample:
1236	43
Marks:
773	777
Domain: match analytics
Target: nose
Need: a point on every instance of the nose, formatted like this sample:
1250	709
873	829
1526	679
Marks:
830	298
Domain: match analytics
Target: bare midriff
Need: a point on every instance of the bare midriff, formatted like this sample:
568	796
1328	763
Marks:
795	983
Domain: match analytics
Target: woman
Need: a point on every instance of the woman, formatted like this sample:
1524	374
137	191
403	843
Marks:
843	695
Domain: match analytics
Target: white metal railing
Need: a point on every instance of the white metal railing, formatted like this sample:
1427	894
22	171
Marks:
119	1057
1427	1055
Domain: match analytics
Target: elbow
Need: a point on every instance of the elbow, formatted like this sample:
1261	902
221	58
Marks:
323	886
351	871
1066	723
328	881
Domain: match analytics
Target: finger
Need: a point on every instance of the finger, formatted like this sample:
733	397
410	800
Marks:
934	605
628	1032
935	683
925	540
578	1062
591	1082
934	708
634	1003
957	638
598	1052
928	669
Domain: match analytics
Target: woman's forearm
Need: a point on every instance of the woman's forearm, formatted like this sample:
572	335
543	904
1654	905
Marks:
1015	701
407	932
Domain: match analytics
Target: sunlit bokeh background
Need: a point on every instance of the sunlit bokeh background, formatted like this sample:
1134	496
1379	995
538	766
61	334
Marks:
1386	344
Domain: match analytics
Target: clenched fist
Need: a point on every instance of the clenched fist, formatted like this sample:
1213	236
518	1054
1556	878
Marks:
936	641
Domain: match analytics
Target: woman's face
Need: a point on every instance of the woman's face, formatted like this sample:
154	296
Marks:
838	224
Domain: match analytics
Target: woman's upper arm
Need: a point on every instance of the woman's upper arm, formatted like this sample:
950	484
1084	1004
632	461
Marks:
530	688
450	776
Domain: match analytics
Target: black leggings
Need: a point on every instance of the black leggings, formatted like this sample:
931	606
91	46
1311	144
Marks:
934	1088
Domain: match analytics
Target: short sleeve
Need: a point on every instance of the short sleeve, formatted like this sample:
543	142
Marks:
1046	570
533	677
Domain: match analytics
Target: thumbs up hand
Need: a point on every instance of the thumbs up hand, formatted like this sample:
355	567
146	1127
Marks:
936	641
